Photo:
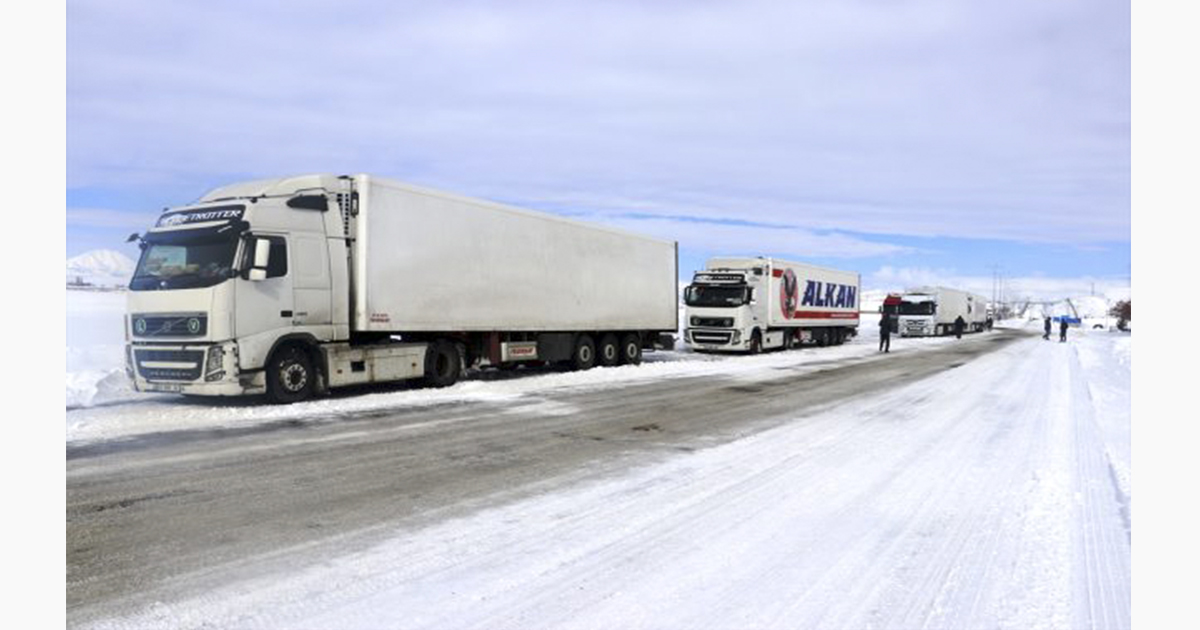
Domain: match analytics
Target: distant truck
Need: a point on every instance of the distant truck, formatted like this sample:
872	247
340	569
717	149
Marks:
292	287
891	308
932	311
755	304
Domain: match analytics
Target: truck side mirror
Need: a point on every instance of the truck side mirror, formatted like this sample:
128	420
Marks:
262	258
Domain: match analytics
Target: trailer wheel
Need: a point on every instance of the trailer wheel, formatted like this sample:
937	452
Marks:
794	342
631	349
290	375
609	350
584	356
442	364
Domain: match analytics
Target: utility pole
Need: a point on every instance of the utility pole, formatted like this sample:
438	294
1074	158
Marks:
995	290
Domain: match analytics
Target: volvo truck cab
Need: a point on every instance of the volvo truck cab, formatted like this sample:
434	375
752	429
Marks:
221	283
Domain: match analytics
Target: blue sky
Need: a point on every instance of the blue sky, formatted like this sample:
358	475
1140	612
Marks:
914	142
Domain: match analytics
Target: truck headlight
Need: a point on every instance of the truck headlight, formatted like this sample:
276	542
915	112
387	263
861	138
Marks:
214	364
129	361
737	337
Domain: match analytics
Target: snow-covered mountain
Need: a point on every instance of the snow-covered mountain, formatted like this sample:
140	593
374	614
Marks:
100	267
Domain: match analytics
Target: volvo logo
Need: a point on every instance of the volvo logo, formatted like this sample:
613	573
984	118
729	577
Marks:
193	325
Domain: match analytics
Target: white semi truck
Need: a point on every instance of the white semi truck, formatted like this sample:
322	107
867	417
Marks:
754	304
291	287
932	311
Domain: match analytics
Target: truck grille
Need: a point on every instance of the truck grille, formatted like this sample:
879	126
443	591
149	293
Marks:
712	336
169	365
169	325
713	322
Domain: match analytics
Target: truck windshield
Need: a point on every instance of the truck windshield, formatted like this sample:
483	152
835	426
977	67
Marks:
710	295
917	308
184	263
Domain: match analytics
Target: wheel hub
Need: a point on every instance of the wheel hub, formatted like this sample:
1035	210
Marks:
295	377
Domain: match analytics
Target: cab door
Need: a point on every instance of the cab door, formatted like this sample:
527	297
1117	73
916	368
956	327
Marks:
264	309
311	286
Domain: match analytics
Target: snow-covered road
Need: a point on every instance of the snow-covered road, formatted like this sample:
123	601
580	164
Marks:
995	493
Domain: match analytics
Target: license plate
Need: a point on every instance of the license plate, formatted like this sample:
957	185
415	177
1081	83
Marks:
164	387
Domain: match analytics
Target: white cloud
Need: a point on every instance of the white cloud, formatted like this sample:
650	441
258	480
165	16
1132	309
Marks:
103	217
924	118
753	240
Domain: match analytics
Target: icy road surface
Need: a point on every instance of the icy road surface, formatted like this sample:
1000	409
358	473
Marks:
975	483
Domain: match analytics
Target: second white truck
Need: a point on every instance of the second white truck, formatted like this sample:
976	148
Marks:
932	311
755	304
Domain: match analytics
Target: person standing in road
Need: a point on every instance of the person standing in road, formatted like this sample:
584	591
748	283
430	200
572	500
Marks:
959	324
1062	329
885	332
1047	335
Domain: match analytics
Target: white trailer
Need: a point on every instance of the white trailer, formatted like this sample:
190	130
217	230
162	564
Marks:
293	286
753	304
933	311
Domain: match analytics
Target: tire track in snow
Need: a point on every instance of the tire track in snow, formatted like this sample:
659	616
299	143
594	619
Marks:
1103	550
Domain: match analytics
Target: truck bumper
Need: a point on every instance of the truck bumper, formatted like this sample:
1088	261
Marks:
194	369
716	339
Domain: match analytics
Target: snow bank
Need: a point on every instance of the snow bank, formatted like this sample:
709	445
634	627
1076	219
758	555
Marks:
102	405
142	413
95	352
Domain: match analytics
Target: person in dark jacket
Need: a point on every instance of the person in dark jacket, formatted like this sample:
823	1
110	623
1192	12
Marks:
1047	335
885	332
959	324
1062	329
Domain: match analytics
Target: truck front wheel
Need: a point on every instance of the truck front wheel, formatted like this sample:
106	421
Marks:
756	343
290	375
442	364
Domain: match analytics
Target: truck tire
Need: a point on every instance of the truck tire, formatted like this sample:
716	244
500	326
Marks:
631	349
290	375
756	343
443	365
584	355
793	340
609	350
